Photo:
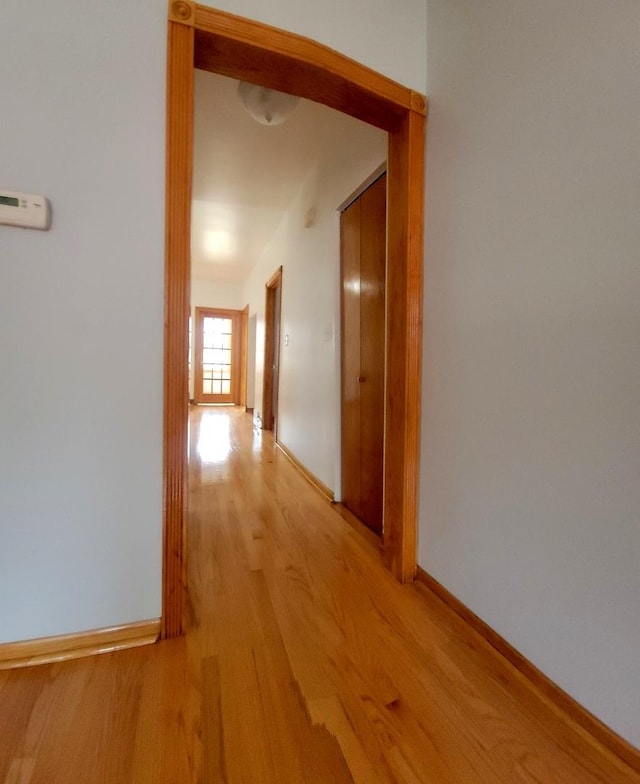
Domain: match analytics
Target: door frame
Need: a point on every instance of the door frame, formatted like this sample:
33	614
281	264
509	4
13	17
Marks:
271	375
230	45
244	336
236	317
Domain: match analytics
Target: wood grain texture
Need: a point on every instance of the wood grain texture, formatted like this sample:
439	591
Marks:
244	349
72	646
350	329
363	276
304	661
179	168
273	294
404	343
375	175
237	319
243	49
313	480
545	687
373	263
182	12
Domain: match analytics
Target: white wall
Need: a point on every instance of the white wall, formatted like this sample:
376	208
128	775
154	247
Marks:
529	498
251	361
386	35
207	293
308	411
216	294
81	307
531	448
81	317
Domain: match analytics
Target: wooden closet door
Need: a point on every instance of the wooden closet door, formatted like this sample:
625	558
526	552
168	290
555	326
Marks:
350	349
363	253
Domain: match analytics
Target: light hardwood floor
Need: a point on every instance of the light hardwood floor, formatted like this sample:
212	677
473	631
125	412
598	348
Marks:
305	662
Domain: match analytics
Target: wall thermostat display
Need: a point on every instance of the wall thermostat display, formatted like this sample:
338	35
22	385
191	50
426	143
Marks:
24	209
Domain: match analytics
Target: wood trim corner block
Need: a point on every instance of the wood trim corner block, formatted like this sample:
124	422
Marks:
182	12
418	103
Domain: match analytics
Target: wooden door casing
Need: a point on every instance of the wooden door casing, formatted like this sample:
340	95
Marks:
244	356
273	306
233	397
203	37
363	253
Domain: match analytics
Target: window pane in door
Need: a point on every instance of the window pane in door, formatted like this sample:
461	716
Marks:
216	355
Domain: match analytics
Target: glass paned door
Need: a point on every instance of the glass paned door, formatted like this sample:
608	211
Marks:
216	356
215	349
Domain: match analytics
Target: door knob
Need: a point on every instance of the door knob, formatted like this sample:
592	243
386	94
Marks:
360	379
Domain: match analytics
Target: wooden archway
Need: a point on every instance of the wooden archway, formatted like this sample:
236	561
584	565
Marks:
201	37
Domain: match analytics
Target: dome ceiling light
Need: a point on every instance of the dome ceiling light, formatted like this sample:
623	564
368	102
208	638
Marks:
268	107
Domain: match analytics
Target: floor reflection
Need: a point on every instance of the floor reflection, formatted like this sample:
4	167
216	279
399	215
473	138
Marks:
213	437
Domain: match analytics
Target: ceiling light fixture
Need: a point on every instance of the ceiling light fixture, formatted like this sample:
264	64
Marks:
268	107
218	244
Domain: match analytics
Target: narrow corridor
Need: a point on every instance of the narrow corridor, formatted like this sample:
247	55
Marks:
305	662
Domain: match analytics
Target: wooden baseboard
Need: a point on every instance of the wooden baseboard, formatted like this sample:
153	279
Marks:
319	486
354	522
248	409
554	694
46	650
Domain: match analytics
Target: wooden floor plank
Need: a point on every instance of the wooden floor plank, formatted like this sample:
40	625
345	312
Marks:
20	771
213	747
329	712
247	753
167	733
304	661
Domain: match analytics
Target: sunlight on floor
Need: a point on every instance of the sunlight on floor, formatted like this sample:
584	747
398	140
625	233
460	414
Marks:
214	439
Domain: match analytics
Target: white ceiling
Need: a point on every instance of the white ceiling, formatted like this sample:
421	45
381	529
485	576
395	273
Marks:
246	174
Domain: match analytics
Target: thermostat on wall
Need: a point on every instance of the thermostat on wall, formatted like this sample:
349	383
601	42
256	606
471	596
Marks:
24	209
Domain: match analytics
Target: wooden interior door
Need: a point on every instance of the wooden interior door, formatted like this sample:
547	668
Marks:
363	262
273	306
217	350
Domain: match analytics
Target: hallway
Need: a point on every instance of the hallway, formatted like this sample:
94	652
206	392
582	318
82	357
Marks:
304	662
